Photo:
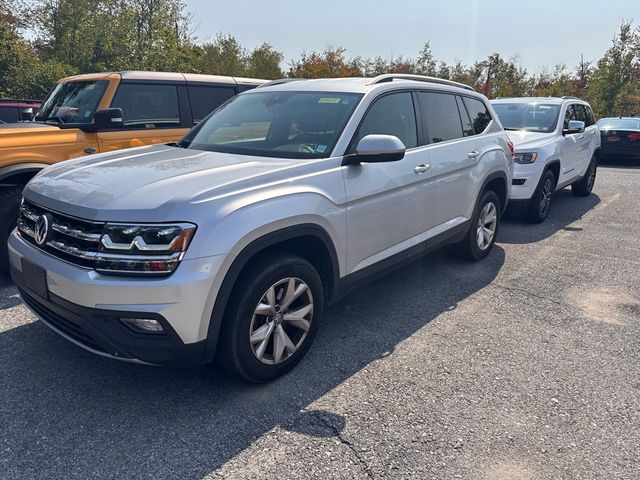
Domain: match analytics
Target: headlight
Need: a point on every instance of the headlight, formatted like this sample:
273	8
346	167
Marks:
525	157
143	249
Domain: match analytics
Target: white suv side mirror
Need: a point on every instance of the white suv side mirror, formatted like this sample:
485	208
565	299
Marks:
376	149
575	126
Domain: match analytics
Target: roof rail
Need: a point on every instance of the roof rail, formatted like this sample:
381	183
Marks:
570	97
280	81
390	77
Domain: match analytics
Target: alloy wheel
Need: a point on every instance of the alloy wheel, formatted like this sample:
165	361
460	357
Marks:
487	224
281	321
545	198
592	176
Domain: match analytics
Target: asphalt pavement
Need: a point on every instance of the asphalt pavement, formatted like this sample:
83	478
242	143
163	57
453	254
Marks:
523	366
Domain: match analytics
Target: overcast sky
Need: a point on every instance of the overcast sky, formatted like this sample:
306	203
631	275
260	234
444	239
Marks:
540	32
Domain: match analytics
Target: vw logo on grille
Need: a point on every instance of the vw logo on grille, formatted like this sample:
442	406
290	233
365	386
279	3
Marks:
42	229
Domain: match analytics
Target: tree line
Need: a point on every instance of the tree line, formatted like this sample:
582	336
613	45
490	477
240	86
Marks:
43	40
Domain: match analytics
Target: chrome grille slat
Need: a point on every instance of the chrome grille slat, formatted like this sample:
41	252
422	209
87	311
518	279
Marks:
76	233
71	250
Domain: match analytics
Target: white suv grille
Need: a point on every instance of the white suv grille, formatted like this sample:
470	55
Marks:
72	239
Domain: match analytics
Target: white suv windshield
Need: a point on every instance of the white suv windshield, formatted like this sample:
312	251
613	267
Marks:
275	124
532	117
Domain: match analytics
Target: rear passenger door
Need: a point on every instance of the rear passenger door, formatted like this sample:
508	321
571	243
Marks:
152	113
454	149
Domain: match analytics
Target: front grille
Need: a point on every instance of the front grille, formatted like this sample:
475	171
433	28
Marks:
71	239
67	327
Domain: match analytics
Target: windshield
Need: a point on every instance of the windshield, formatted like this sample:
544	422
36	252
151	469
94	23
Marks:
275	124
619	124
531	117
72	102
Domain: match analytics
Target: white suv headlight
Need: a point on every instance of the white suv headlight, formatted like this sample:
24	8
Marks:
528	157
143	249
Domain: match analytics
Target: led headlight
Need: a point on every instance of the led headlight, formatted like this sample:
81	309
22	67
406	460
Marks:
526	157
143	249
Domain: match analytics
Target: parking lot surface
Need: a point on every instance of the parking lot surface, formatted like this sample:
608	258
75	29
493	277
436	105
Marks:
523	366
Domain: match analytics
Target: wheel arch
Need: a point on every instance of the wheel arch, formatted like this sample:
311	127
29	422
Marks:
20	173
496	181
310	241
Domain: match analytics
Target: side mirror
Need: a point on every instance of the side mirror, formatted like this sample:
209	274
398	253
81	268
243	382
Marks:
575	126
26	114
108	119
376	149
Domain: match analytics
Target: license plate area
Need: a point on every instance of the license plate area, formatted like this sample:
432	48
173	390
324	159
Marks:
613	139
35	278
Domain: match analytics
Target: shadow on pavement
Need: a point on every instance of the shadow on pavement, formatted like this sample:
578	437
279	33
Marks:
69	414
565	209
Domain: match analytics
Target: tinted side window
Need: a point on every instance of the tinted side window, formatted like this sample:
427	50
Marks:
8	113
205	99
569	115
467	127
148	106
391	115
591	120
480	117
581	114
440	116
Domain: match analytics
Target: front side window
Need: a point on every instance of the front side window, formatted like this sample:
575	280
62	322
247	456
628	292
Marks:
276	124
530	117
148	106
440	116
569	115
392	114
480	116
591	120
581	114
72	102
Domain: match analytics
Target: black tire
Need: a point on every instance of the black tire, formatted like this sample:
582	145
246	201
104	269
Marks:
469	248
540	204
235	352
583	187
9	206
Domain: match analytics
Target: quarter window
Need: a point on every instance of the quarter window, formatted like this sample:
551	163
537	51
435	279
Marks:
205	99
480	116
148	106
440	116
391	115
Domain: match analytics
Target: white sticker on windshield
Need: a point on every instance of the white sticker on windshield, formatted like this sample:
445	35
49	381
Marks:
321	148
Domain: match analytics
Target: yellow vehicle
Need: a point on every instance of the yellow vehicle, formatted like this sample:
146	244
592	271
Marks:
86	114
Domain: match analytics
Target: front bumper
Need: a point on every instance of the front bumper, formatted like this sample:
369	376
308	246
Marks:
525	179
85	307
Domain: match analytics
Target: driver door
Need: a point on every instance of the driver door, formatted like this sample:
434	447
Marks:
387	203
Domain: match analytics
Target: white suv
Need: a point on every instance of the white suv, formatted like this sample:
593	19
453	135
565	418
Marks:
557	144
228	244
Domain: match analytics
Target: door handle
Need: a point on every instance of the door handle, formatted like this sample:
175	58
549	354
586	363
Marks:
473	154
580	137
89	151
421	168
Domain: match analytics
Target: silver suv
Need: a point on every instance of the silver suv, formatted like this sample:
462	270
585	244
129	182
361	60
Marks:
557	144
228	244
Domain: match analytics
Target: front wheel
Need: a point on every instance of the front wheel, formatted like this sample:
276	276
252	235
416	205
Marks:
540	204
272	318
9	205
583	187
482	233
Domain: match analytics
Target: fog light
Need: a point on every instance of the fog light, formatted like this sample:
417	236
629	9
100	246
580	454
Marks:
143	325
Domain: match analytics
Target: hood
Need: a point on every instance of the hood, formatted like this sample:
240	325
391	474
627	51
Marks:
523	140
137	183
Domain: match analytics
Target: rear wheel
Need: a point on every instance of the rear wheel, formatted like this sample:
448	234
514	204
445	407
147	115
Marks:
481	236
583	187
540	204
272	318
9	205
